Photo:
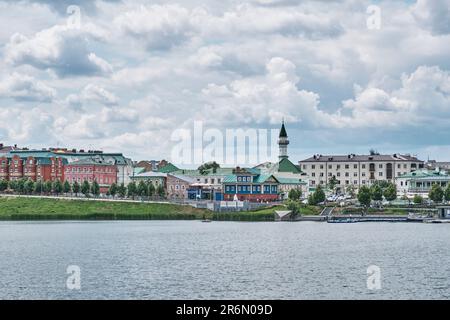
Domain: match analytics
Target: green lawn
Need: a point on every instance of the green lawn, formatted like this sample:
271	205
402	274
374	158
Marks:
36	209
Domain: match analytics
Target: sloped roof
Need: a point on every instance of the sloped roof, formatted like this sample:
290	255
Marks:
358	158
168	168
285	165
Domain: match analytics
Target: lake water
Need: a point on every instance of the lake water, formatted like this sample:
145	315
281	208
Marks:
223	260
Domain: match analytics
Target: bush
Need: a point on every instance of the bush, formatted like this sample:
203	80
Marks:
418	199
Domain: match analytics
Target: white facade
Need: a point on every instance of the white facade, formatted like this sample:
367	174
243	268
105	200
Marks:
357	170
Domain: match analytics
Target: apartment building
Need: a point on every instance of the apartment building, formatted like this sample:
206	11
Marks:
357	170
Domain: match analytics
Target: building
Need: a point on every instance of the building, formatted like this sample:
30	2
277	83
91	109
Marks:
357	170
90	170
5	149
420	182
151	165
155	178
288	175
250	185
178	186
33	165
441	165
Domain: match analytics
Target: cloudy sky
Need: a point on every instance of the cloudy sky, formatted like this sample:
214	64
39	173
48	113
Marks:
132	72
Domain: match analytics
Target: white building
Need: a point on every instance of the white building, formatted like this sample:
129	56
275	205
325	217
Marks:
420	182
357	170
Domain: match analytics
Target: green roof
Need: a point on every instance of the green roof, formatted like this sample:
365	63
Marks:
290	180
232	178
285	165
168	168
425	174
138	170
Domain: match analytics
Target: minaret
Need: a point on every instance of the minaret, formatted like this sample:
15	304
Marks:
283	143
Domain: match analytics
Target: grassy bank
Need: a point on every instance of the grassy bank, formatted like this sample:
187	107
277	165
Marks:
58	209
23	208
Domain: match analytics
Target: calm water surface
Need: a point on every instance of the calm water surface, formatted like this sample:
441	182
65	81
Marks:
230	260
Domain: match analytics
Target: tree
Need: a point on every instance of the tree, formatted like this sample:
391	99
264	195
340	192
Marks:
13	185
294	207
48	186
122	190
160	191
332	182
20	186
66	187
418	199
294	194
208	165
447	193
76	188
151	189
364	197
113	190
95	188
390	193
351	191
3	185
38	187
85	188
319	194
436	193
376	192
132	189
29	187
142	189
57	187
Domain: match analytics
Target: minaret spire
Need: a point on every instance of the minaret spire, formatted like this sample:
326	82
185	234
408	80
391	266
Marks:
283	142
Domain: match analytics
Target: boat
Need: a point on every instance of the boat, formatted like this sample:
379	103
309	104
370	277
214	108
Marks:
347	220
206	220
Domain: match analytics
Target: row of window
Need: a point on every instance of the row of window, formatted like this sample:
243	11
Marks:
355	174
267	188
210	181
346	182
355	166
78	169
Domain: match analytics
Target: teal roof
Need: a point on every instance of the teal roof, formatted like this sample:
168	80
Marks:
290	180
209	172
138	170
425	174
169	168
285	165
261	178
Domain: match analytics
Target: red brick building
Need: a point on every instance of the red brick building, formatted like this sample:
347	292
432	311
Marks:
24	165
90	170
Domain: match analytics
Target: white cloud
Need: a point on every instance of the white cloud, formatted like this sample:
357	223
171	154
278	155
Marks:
23	87
434	15
62	49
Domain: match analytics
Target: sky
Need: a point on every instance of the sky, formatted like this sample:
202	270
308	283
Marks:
125	75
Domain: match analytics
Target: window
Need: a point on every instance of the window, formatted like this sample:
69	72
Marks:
313	174
330	166
355	174
347	166
363	174
380	174
347	174
363	166
355	166
304	167
380	166
338	174
338	166
321	166
313	166
321	174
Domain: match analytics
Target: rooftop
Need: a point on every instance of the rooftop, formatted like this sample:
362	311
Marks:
360	158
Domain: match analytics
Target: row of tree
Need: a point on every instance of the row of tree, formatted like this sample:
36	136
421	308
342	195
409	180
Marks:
28	187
